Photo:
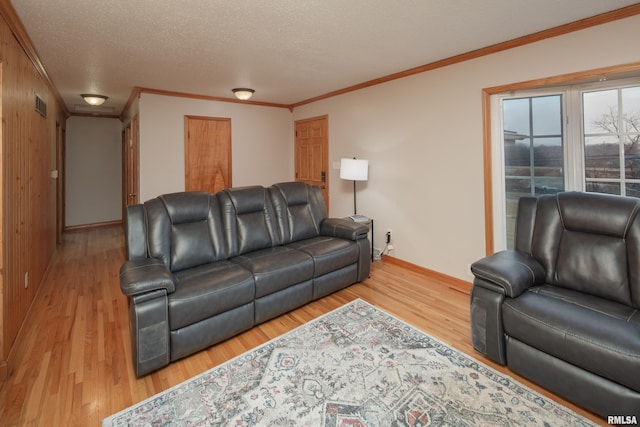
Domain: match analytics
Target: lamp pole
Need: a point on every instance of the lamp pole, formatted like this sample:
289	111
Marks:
354	197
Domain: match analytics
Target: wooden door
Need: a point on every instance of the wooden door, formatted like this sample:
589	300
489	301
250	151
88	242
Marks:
131	160
207	153
312	153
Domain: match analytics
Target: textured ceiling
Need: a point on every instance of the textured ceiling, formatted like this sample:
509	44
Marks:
287	50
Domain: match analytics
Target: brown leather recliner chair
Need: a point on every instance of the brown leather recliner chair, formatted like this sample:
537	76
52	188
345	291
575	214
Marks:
563	307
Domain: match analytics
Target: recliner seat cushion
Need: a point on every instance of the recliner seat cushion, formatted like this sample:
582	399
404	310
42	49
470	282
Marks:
276	268
205	291
329	254
594	334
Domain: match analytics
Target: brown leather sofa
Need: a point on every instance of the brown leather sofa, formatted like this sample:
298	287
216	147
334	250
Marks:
203	267
563	307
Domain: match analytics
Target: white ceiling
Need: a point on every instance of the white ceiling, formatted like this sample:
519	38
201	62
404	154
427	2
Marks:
287	50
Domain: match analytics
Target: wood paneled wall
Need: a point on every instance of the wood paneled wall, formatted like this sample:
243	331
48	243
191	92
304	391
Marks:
28	206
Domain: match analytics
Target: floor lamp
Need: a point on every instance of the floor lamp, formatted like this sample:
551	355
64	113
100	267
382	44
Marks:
355	170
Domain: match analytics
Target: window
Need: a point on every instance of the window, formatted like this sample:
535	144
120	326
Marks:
582	138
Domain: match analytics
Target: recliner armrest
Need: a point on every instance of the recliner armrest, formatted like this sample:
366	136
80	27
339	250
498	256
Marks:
145	275
343	228
512	271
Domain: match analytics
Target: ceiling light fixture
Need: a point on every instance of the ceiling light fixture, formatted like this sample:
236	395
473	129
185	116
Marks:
92	99
243	93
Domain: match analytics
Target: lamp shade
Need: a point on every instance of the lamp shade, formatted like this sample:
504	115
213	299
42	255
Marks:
354	169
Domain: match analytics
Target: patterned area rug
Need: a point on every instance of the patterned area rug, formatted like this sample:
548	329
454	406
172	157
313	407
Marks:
356	366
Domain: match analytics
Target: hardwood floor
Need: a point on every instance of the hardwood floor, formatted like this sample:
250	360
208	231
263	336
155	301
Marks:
72	364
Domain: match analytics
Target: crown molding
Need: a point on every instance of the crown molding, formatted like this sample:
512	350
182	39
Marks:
592	21
207	97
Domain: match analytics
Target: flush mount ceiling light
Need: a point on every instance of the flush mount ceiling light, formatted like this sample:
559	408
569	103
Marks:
92	99
242	93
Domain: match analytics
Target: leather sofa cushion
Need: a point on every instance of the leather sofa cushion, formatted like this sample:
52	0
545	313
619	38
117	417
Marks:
187	206
184	230
276	268
329	253
190	245
250	219
202	292
594	334
299	214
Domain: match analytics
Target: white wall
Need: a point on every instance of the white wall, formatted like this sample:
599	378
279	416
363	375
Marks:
422	136
261	139
93	170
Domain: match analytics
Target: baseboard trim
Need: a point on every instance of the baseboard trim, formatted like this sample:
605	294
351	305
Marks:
94	225
452	282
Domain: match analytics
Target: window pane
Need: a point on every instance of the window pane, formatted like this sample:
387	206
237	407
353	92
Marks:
518	187
632	157
600	112
602	157
631	109
548	156
516	116
547	115
515	188
517	159
603	187
633	189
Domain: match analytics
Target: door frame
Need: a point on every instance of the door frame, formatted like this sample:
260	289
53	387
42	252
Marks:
130	164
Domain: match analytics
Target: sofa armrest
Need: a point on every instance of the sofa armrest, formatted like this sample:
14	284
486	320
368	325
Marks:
145	275
511	271
343	228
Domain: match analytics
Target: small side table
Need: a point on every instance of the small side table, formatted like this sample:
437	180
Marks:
366	221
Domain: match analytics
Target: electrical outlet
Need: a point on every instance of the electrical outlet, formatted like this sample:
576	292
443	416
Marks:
388	235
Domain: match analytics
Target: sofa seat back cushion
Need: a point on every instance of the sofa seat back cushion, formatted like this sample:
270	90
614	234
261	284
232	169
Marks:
594	334
205	291
329	253
583	241
184	230
249	219
299	208
595	264
277	268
